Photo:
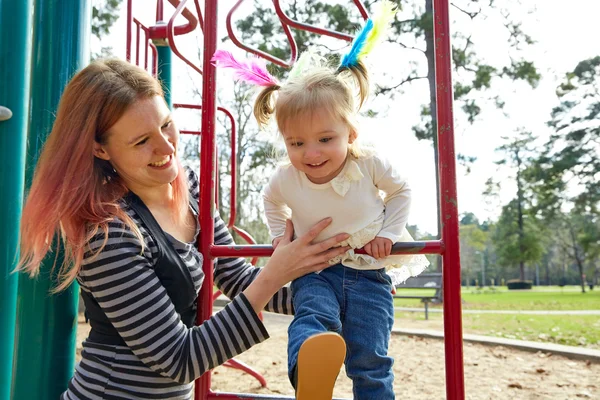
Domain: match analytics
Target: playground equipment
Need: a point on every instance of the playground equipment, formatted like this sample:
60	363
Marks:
154	48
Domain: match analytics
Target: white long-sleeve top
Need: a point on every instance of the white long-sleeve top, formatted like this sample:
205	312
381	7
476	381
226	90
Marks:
353	200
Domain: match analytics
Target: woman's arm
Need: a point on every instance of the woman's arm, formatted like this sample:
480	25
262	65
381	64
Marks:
122	280
233	275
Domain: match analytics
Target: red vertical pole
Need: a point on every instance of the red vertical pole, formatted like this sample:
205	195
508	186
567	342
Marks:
129	22
207	175
455	389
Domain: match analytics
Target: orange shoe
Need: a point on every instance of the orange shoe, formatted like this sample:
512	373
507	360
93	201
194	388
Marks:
319	361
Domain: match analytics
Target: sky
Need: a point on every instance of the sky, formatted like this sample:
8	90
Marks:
565	33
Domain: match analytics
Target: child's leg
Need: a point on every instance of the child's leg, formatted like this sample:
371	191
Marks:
316	310
367	324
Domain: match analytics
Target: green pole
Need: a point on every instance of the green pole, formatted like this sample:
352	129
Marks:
47	324
15	50
164	55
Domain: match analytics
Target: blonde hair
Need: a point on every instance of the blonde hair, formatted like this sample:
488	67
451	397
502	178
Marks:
322	88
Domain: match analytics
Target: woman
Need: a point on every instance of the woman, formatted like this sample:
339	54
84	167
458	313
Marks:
109	183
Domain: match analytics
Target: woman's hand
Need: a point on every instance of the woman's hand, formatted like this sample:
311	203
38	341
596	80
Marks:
293	259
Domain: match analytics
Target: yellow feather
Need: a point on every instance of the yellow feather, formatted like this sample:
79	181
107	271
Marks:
382	20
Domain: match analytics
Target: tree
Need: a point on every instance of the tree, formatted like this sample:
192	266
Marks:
473	243
566	175
518	238
515	219
570	161
578	237
104	14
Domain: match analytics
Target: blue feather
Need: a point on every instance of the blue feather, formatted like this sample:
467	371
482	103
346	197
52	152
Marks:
351	58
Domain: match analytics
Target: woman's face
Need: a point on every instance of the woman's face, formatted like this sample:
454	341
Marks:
142	145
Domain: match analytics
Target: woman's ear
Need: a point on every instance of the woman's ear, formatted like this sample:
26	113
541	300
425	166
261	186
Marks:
99	151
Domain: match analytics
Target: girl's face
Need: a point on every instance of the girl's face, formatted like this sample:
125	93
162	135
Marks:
317	144
142	145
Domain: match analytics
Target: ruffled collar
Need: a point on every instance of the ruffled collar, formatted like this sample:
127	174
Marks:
341	183
351	173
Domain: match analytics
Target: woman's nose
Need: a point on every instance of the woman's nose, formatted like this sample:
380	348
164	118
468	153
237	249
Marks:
164	147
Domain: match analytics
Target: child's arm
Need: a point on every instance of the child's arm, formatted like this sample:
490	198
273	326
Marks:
276	209
397	206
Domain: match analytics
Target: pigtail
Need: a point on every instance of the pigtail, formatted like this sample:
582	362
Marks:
264	106
358	72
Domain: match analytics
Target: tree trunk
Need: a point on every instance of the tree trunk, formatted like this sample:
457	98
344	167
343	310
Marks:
520	215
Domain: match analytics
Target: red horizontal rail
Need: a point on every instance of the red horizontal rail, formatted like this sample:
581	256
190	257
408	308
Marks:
265	250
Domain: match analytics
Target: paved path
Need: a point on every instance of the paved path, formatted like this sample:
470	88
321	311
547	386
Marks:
574	352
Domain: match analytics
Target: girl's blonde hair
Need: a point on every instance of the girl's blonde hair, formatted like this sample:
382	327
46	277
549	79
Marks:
322	88
74	195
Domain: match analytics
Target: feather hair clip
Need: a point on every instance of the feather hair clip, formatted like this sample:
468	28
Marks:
371	34
253	70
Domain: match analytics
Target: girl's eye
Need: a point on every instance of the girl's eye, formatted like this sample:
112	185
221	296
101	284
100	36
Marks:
141	142
296	144
168	124
325	140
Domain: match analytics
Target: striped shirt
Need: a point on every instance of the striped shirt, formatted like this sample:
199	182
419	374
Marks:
162	357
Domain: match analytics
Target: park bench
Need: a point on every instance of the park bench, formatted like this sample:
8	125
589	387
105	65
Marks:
432	280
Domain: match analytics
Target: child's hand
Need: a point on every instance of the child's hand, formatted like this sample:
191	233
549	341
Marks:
276	241
379	247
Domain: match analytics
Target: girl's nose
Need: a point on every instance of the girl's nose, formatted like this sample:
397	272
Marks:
311	153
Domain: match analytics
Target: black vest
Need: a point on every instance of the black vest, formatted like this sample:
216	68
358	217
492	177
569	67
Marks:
170	270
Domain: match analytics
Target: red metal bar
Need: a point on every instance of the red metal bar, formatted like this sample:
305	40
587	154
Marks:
199	13
260	53
248	238
233	158
160	11
146	39
137	45
265	250
285	20
160	31
148	44
171	31
207	181
455	389
128	34
154	59
237	364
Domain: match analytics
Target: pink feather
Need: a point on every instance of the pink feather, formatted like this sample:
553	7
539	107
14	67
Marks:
252	71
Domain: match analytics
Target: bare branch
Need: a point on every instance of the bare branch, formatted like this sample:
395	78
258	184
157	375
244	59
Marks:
409	47
383	90
471	15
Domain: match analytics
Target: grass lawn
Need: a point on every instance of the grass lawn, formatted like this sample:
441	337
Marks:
572	330
500	298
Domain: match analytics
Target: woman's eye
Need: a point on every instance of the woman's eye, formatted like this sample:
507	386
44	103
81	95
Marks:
325	140
296	144
141	142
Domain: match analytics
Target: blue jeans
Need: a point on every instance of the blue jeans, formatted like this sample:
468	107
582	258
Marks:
359	306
